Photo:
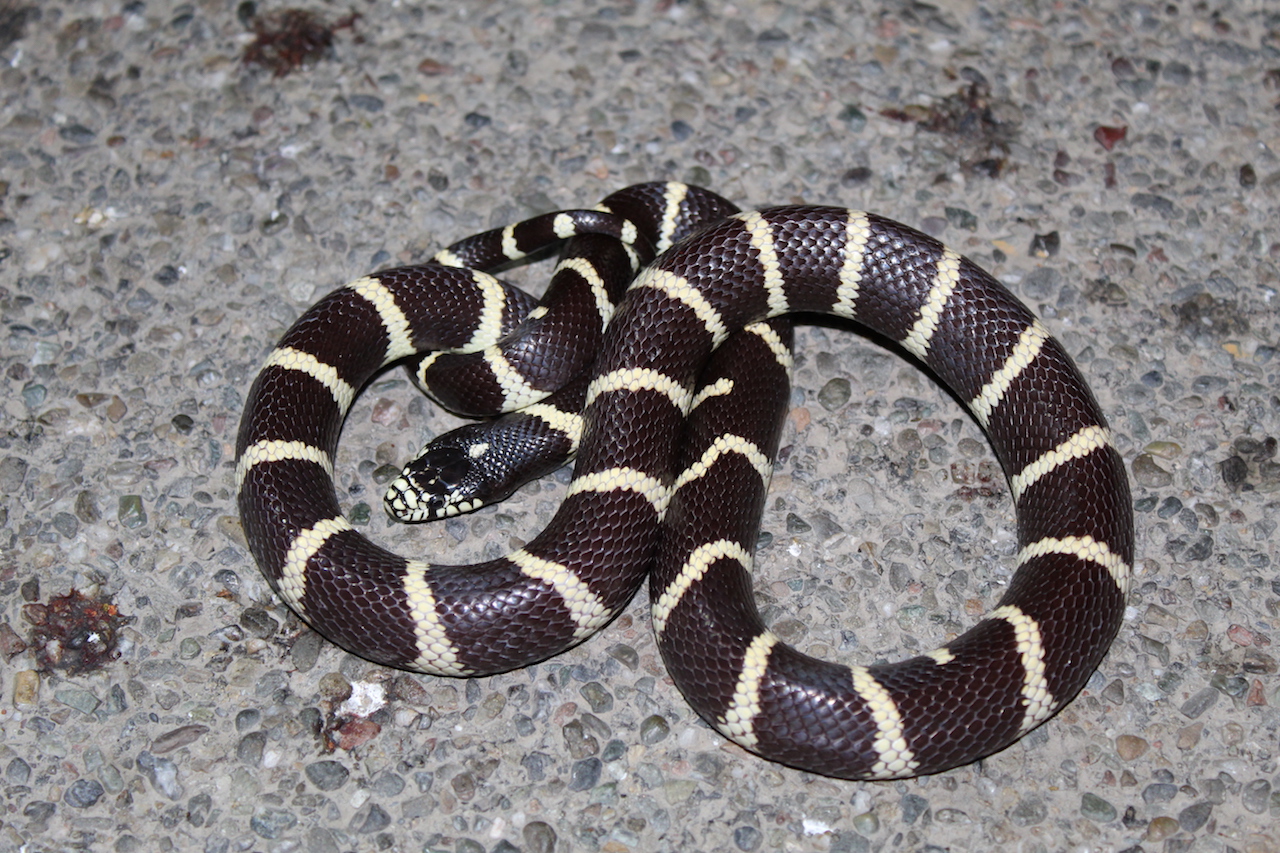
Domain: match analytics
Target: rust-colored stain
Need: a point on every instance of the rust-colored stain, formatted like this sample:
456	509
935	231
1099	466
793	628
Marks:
286	40
74	633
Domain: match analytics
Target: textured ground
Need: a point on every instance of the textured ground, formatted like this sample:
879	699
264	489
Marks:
166	212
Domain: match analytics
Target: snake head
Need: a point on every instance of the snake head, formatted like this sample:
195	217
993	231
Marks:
447	478
473	466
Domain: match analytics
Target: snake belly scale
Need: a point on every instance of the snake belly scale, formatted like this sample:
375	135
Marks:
651	497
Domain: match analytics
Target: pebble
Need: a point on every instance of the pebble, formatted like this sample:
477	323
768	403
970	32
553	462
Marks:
162	773
1097	809
585	774
653	729
75	697
1195	816
17	772
83	793
1255	795
1029	811
1200	702
271	823
539	837
26	688
176	738
1131	747
1161	828
130	512
747	838
834	394
368	819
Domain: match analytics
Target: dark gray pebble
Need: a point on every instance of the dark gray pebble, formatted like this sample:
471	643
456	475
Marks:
539	837
1029	811
600	699
1199	703
585	774
368	103
327	775
834	394
369	818
272	822
258	622
17	772
248	719
1159	792
1097	809
653	729
1254	796
162	773
83	793
249	749
1195	816
387	784
747	838
913	805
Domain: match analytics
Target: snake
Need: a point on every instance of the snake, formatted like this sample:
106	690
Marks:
670	477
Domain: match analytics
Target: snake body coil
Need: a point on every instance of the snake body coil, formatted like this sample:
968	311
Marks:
652	498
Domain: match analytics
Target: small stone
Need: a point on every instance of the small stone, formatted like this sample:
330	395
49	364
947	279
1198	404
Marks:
625	655
176	738
18	772
854	119
1195	816
79	698
335	687
1199	703
306	651
1147	473
368	819
11	645
1159	792
66	524
747	838
83	793
1029	811
163	774
1130	747
1097	809
248	719
539	837
834	394
1161	828
356	733
13	471
653	729
597	696
327	775
259	623
130	511
585	774
579	743
272	822
1255	795
250	748
867	824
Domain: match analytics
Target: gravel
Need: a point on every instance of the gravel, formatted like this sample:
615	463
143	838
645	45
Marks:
165	213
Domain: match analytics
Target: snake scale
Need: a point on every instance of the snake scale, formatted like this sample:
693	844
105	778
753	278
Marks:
673	460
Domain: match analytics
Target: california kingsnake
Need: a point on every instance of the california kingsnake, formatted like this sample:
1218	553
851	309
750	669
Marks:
641	500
